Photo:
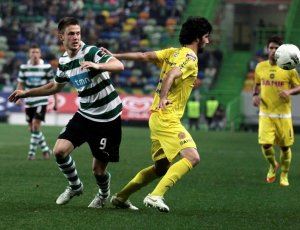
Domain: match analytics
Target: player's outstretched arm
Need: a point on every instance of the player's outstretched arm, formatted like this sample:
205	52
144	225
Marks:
113	65
45	90
134	56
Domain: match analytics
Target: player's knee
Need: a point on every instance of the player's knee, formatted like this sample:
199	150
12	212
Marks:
60	152
284	148
194	159
98	170
267	146
191	155
161	167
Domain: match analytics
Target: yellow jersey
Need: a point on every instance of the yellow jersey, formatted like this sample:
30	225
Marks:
187	61
272	80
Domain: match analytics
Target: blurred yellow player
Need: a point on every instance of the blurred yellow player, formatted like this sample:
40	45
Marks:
179	70
273	87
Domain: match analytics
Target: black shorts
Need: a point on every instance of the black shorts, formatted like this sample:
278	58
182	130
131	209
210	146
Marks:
104	138
38	113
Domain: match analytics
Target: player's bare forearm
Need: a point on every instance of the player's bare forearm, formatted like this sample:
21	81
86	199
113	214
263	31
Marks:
295	90
113	65
137	56
256	98
256	89
166	85
45	90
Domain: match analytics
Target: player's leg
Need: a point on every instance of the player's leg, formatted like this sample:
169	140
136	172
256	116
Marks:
103	181
286	132
266	137
73	135
174	139
33	135
104	141
66	164
285	162
269	154
190	158
36	122
141	179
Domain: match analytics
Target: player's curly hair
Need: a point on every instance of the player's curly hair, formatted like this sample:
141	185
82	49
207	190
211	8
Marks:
193	28
65	22
275	39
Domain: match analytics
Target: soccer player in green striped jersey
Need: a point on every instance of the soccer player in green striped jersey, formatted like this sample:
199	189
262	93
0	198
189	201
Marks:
35	73
98	119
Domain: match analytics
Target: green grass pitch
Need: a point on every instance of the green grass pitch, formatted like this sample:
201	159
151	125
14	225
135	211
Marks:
226	191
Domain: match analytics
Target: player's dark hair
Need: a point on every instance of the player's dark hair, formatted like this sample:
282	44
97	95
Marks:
34	46
193	28
65	22
275	39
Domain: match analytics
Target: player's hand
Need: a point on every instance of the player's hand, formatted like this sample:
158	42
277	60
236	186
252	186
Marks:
284	94
163	102
106	51
16	95
256	100
197	83
89	65
19	102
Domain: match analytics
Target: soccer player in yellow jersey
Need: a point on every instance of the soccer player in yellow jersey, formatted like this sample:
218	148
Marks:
179	69
273	87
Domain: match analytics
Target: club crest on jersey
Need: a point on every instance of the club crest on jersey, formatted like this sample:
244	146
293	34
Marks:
181	135
191	56
80	60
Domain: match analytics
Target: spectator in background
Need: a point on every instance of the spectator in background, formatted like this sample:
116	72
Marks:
193	113
218	121
211	107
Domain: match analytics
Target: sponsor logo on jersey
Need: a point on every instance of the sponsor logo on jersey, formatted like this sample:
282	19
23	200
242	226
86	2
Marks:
191	56
272	83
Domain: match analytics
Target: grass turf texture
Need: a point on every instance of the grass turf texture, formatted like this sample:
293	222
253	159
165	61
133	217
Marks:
226	191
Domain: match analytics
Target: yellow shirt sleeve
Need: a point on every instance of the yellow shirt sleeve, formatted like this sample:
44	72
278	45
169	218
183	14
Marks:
188	64
295	81
256	75
162	55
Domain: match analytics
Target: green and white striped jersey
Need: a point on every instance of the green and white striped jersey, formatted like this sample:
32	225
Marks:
33	76
99	100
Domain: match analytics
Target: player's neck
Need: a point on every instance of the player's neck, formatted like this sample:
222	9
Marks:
73	53
193	47
272	62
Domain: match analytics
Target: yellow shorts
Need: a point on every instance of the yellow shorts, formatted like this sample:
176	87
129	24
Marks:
275	131
168	136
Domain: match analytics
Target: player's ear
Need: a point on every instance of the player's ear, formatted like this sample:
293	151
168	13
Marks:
60	36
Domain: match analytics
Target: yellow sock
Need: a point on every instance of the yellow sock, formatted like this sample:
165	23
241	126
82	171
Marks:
174	173
285	160
269	154
142	178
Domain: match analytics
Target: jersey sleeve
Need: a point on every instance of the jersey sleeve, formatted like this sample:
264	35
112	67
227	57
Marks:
162	55
21	76
295	81
61	77
50	74
188	64
257	76
101	57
